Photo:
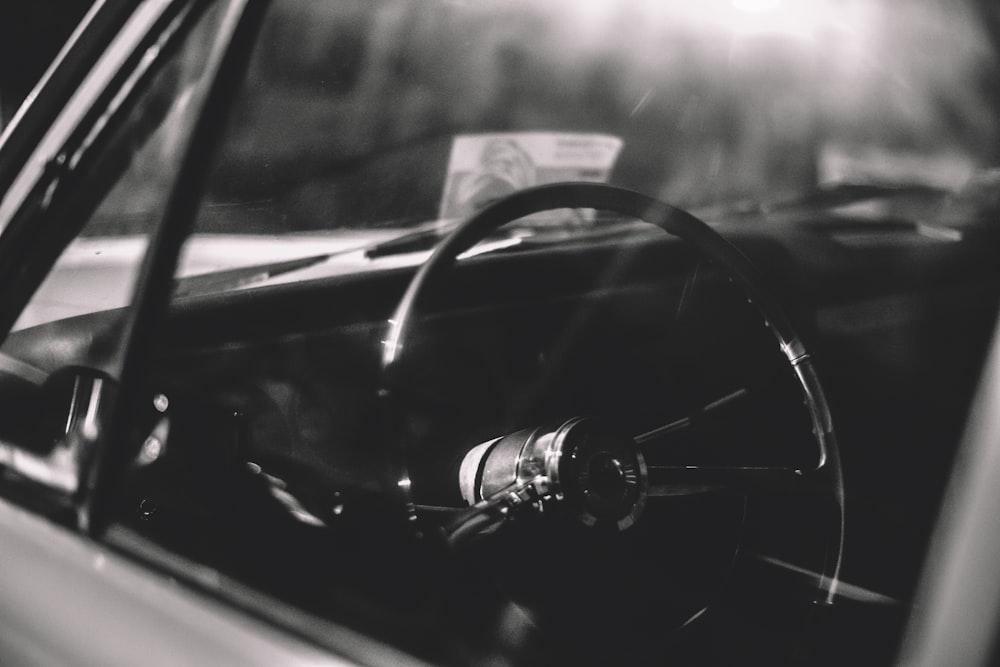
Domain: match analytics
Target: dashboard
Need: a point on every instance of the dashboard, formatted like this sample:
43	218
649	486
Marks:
279	470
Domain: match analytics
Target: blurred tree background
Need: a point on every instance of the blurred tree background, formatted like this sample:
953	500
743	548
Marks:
349	108
715	100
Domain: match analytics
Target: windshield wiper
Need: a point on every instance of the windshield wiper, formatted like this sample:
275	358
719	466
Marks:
245	275
825	196
423	237
831	195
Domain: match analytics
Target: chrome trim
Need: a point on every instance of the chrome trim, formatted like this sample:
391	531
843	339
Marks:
92	86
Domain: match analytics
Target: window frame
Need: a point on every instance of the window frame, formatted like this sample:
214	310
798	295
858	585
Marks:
70	171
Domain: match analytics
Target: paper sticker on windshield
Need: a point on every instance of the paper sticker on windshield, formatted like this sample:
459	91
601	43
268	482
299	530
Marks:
486	167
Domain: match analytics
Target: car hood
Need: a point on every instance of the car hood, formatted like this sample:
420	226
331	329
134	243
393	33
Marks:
99	273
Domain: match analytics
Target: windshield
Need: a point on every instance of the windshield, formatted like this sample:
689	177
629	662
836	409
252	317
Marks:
281	437
357	114
363	131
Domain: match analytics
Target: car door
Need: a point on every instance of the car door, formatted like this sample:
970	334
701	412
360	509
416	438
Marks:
100	176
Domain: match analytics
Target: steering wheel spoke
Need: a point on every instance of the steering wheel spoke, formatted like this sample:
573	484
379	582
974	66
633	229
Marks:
660	433
666	481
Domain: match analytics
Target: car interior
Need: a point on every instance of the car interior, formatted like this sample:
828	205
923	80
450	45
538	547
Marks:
639	433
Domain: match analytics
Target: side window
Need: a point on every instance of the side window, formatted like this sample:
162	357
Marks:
98	269
75	325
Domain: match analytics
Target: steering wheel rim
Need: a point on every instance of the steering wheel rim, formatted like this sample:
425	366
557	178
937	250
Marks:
676	222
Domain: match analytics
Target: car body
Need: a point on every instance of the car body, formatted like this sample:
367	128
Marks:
349	333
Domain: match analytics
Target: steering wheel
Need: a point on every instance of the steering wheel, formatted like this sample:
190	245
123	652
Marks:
588	468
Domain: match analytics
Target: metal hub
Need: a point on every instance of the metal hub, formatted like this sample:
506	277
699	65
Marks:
598	473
